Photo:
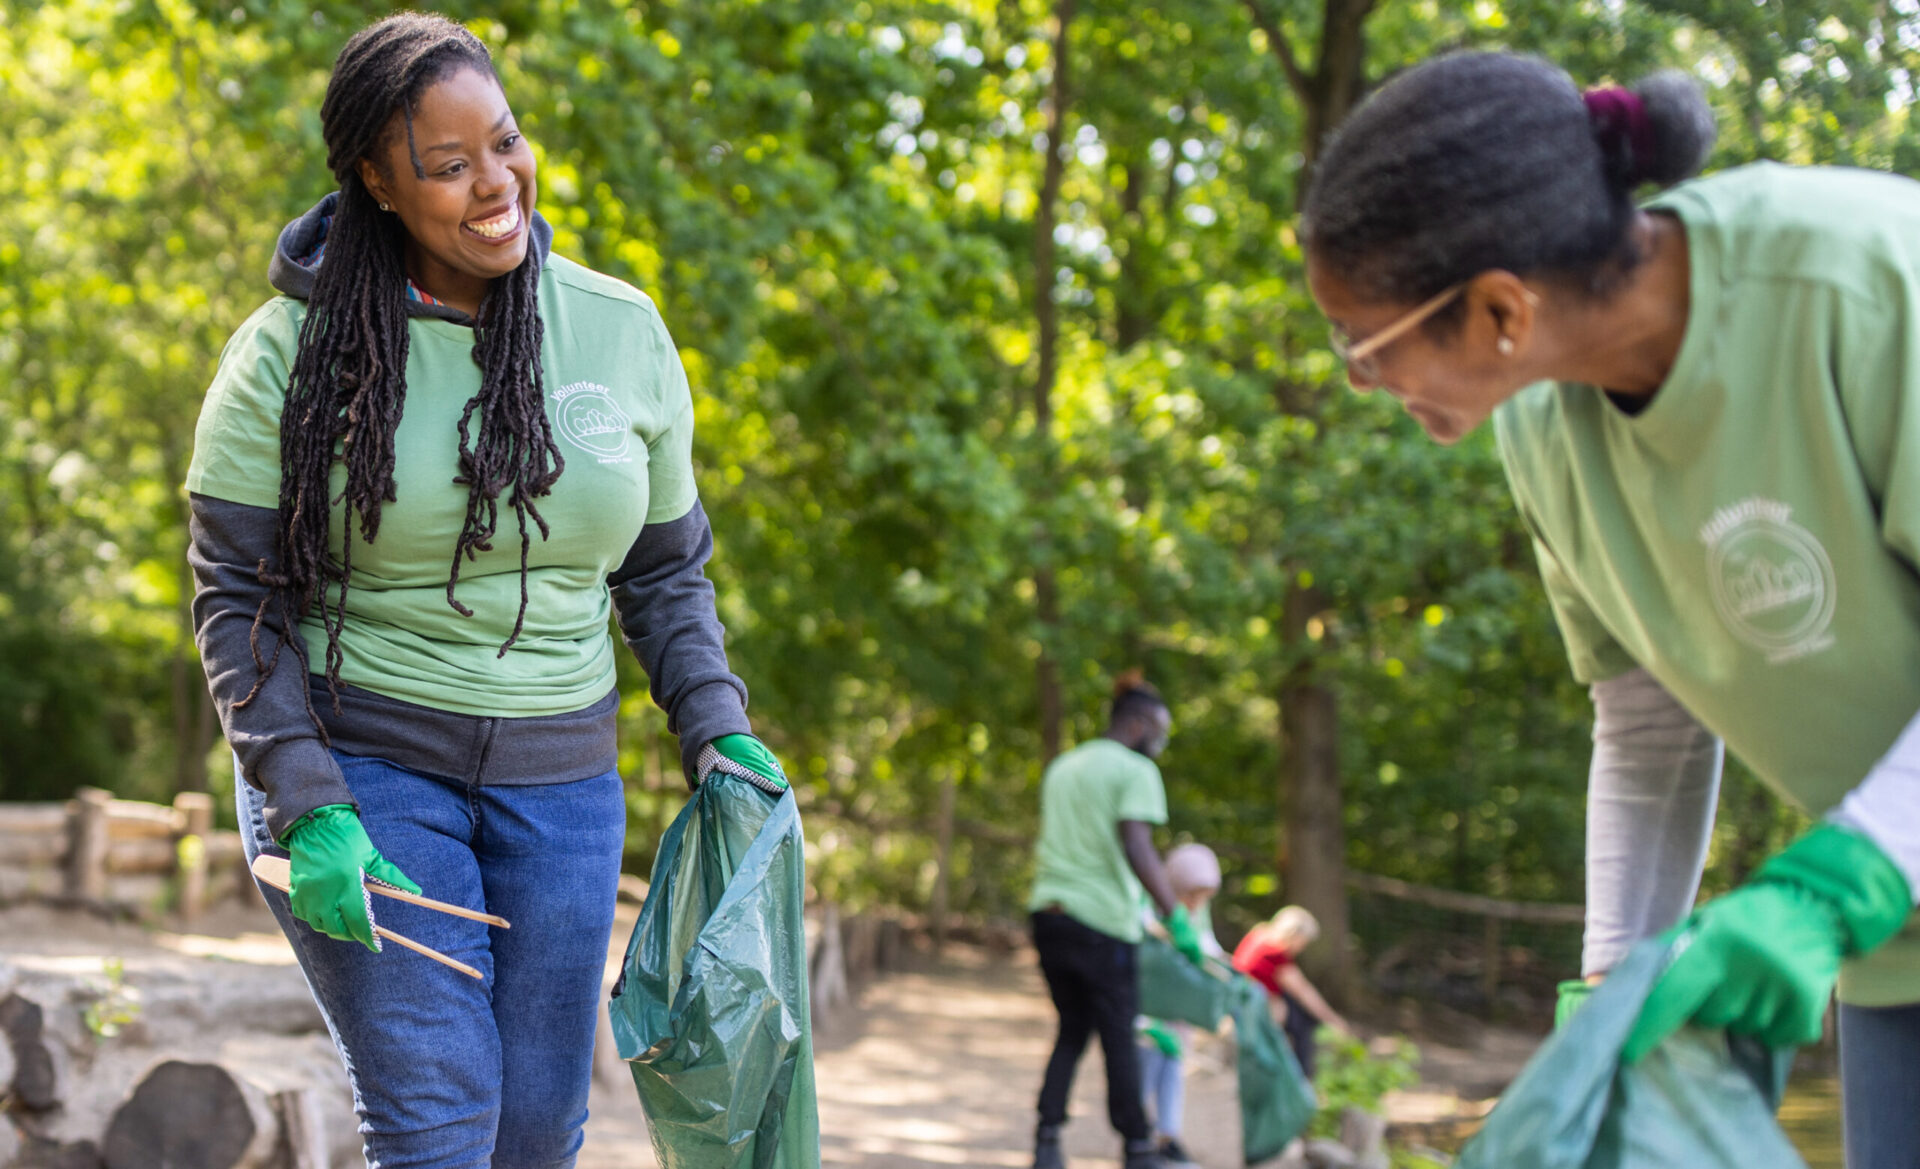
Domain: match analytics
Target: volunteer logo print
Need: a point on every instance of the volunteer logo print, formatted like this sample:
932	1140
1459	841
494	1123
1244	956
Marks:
1772	582
590	419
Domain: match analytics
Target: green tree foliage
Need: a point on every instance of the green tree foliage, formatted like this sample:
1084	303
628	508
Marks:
835	205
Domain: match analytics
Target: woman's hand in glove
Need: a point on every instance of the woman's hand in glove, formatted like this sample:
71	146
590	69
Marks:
1763	959
332	861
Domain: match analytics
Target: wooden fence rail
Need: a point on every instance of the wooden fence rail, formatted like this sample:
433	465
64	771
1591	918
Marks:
118	855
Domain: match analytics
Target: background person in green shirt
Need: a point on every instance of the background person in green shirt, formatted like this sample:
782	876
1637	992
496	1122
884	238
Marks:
412	694
1093	864
1709	410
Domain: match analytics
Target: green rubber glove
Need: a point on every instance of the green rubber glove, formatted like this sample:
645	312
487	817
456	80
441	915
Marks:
1573	995
1763	959
743	757
1185	936
332	860
1163	1038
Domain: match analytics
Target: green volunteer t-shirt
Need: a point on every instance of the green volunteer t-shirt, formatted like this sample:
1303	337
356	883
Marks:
622	417
1079	863
1751	536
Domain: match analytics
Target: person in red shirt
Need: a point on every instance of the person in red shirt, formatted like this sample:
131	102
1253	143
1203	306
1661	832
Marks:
1267	955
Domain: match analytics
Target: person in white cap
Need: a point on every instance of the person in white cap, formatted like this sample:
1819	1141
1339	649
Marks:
1194	872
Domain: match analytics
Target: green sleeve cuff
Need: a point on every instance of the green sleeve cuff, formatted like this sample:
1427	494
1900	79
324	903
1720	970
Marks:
1852	874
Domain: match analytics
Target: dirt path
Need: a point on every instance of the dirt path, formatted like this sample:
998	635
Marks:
938	1066
933	1067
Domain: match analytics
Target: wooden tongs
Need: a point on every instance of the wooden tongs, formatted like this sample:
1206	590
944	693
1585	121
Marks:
278	872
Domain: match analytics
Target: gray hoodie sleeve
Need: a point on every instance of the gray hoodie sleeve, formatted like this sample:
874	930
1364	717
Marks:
273	736
665	604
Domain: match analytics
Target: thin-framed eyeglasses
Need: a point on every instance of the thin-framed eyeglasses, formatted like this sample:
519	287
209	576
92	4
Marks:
1359	355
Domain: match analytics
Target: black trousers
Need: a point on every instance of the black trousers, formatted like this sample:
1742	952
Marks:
1091	977
1300	1027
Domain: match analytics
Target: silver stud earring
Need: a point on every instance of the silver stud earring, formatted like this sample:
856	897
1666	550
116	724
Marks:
1505	346
385	207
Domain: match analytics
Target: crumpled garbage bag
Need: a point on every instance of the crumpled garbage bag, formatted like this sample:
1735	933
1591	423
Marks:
1701	1100
1171	987
1276	1101
711	1010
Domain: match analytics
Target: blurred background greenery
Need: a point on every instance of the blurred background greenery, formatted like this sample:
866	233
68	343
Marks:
975	432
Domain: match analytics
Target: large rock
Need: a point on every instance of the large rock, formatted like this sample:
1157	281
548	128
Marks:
36	1153
261	1100
304	1074
1326	1154
8	1066
31	1024
69	1080
192	1116
1294	1156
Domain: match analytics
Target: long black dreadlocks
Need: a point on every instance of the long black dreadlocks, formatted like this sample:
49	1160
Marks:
348	383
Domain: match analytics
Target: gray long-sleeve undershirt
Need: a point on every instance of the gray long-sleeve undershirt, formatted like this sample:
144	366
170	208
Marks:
1651	791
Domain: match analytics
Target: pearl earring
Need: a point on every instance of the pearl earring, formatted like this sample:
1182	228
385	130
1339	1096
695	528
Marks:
385	207
1505	346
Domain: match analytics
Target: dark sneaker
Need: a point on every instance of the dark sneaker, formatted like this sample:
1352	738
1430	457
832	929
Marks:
1046	1148
1173	1156
1142	1155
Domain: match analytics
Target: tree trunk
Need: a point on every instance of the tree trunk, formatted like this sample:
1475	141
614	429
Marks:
1312	845
1130	309
829	974
1313	857
943	872
1047	672
1340	74
1047	319
1332	87
194	723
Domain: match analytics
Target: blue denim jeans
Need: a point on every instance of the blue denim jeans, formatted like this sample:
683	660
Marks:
1163	1084
1880	1085
448	1071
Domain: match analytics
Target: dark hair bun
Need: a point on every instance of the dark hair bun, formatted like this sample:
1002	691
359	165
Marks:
1683	128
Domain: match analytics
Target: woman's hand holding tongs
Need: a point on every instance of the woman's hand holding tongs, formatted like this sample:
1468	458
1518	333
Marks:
332	861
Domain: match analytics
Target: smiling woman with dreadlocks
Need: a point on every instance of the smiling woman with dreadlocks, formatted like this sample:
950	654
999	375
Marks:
412	693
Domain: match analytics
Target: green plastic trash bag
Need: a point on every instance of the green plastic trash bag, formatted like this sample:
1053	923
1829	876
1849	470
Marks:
1173	988
1700	1100
1276	1101
711	1010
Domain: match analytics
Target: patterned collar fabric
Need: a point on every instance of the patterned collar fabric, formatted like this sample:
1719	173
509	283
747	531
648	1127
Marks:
312	259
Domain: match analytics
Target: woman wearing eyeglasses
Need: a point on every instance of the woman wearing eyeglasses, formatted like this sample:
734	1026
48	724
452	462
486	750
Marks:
1709	410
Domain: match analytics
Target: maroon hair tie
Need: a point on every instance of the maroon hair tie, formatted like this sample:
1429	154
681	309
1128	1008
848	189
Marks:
1624	131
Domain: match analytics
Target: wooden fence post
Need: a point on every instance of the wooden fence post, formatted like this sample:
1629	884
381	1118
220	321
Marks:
87	835
196	819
